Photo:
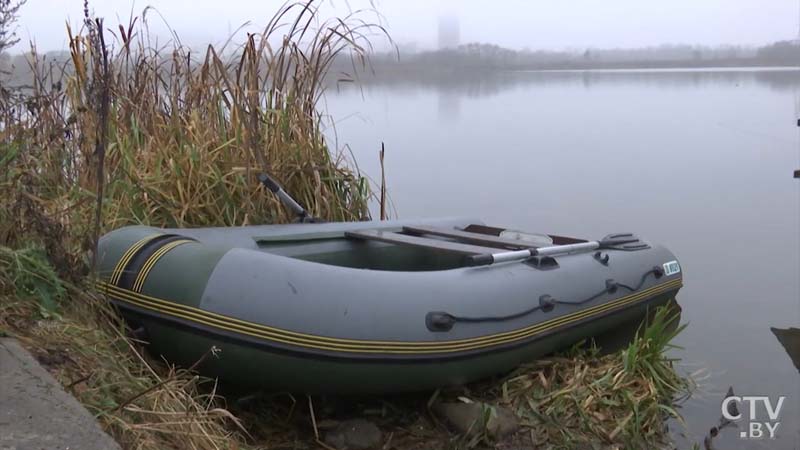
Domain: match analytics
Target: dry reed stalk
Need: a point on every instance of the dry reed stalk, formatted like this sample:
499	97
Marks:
179	136
383	184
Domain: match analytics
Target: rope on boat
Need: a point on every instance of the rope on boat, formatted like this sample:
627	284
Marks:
444	321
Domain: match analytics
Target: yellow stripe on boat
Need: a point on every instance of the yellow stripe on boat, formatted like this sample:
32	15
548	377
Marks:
265	332
368	346
152	260
126	257
674	284
166	307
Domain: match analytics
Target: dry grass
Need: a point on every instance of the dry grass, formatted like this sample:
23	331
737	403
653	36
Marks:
620	400
143	404
184	133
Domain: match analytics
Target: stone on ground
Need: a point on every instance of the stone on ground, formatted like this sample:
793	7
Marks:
472	418
356	434
36	413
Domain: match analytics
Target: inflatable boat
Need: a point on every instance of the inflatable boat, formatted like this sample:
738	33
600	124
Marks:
382	306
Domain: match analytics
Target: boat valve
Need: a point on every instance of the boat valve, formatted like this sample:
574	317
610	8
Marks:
546	303
439	321
611	286
658	271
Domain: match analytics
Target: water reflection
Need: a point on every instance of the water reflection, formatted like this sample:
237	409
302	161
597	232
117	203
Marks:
476	84
449	106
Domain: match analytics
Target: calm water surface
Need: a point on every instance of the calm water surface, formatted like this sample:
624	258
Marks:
701	161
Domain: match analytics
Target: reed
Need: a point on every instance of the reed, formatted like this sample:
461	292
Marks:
175	137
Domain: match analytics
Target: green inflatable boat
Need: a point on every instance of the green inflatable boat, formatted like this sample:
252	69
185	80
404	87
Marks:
368	307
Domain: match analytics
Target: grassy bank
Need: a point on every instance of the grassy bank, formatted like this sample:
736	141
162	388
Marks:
142	403
130	133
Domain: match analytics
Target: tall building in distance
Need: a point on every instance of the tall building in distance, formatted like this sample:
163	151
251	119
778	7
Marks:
449	33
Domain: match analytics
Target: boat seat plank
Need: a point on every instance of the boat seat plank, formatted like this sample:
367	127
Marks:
298	237
471	238
415	241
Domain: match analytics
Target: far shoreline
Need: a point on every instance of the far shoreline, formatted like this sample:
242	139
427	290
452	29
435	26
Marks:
673	69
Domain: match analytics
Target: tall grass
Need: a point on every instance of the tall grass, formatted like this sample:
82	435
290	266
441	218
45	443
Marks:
184	132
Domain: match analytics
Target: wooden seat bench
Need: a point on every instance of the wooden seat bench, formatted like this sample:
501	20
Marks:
471	238
392	237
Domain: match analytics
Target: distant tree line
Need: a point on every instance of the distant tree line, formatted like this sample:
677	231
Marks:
782	51
490	56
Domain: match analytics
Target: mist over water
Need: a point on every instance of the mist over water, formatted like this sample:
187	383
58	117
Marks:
415	24
699	160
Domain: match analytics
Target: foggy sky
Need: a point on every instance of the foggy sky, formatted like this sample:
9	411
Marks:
569	24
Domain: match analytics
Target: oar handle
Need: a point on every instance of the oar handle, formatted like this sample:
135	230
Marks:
269	183
486	259
284	197
480	260
568	248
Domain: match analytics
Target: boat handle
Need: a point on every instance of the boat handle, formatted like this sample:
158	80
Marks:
439	321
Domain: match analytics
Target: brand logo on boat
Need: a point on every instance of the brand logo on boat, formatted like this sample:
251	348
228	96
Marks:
671	268
759	408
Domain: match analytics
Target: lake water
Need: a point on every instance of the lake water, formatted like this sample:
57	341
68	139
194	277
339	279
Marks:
699	160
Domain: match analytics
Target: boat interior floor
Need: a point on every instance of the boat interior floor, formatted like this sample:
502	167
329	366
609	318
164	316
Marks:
407	248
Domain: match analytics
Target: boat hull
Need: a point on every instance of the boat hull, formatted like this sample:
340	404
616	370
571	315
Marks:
278	318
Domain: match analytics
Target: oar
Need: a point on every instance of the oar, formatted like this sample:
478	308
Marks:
286	199
516	255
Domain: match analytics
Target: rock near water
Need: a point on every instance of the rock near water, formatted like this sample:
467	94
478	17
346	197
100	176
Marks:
356	434
474	418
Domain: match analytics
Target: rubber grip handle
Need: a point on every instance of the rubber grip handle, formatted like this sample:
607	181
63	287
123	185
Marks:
480	260
269	183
